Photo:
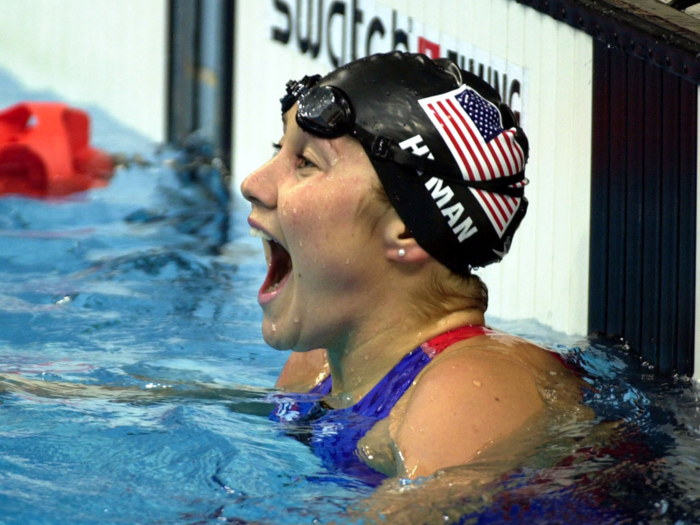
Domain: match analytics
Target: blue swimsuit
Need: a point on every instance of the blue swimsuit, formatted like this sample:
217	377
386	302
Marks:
333	434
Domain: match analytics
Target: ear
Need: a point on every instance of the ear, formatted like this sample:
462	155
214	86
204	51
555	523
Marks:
396	237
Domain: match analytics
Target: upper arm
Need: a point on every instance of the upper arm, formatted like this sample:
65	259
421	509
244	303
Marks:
461	406
303	370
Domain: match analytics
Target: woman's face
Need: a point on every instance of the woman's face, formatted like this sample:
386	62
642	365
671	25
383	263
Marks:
321	251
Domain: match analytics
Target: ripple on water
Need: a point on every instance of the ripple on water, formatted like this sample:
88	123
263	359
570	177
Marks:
144	393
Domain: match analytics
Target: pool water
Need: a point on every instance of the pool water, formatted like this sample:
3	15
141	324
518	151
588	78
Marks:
135	382
134	385
131	288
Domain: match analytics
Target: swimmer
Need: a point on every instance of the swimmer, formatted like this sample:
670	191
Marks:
395	177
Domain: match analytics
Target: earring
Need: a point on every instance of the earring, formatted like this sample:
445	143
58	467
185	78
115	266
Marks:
402	252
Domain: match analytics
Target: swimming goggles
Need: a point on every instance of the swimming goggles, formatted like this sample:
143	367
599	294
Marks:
326	111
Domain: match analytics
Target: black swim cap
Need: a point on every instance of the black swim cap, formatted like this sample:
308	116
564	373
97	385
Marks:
449	154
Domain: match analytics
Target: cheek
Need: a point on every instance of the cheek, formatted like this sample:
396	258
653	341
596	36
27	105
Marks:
303	216
321	230
315	212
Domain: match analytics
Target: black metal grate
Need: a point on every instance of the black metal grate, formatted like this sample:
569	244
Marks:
201	73
644	169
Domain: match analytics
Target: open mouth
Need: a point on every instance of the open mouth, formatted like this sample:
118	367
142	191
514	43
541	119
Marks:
279	267
279	264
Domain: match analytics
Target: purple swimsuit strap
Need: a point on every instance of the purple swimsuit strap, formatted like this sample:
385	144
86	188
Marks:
335	433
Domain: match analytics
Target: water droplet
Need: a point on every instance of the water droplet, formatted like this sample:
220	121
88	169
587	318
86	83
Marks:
294	211
662	506
550	394
65	300
274	327
477	382
296	319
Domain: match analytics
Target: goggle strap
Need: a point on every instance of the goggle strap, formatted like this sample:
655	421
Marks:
502	185
388	149
294	89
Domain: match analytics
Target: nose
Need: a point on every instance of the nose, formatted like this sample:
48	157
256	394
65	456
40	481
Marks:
260	187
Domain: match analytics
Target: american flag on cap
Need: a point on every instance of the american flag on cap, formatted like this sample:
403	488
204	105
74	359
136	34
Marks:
471	127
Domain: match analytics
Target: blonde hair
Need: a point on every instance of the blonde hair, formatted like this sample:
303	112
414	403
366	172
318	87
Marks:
445	292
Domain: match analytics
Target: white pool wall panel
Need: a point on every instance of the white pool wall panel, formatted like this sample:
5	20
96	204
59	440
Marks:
545	276
109	53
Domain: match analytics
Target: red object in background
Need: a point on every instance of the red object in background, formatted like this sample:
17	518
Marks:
45	150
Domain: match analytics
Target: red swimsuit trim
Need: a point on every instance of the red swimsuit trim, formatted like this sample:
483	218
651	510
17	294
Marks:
442	341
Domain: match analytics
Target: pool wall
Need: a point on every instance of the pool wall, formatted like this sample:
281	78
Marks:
112	54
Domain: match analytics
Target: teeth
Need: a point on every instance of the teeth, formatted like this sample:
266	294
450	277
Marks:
259	233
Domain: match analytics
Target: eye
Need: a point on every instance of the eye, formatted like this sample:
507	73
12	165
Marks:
276	147
303	162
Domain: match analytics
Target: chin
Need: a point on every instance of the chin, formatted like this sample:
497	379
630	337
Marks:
299	336
277	338
281	341
276	342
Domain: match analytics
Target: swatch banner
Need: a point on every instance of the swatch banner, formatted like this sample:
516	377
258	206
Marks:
335	32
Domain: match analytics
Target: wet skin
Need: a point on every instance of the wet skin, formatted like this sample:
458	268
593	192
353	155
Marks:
348	291
307	198
343	292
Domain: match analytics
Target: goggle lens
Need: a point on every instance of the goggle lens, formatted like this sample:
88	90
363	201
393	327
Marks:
325	111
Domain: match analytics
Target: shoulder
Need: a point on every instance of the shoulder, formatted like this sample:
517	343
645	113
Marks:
470	397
